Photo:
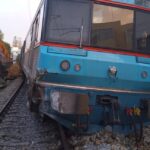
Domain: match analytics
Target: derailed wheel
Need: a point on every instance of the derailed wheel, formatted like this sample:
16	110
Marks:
33	98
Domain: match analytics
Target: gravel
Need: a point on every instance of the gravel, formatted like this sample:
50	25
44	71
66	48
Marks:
104	140
9	91
23	130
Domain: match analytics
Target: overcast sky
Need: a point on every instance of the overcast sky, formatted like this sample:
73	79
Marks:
16	17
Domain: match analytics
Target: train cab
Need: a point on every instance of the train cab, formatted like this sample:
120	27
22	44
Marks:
88	64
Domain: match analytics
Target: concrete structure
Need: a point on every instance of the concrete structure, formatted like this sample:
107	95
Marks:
15	52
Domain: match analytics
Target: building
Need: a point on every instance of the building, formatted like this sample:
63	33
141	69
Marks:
15	52
16	47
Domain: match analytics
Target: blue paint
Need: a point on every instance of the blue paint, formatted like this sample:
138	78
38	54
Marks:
94	67
126	1
143	60
78	52
96	116
144	3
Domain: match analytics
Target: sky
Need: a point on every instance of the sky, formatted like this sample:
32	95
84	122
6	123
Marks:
16	17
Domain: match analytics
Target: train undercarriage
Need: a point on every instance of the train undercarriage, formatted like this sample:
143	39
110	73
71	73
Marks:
87	110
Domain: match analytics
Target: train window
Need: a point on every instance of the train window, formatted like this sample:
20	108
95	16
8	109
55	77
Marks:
143	32
28	42
112	27
65	20
40	23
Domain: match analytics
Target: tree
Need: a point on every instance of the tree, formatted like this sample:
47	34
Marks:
1	35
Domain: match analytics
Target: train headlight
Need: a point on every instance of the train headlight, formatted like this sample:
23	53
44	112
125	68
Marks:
77	67
65	65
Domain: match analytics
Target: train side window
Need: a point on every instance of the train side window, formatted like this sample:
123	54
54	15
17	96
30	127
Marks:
28	42
143	32
112	27
40	24
36	28
65	20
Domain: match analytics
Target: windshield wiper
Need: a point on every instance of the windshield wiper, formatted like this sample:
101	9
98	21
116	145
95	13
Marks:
81	34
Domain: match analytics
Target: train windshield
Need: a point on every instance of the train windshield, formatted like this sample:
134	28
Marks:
119	28
98	25
67	19
112	27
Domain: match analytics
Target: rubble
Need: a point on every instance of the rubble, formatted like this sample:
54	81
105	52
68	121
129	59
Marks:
105	140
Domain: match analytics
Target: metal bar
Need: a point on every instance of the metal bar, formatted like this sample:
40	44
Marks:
49	84
63	138
10	101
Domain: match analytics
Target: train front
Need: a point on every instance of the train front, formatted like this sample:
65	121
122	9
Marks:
94	65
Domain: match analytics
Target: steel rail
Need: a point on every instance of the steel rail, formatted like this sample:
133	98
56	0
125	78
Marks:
6	106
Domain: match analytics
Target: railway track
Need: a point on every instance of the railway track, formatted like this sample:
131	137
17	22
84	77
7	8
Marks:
14	116
5	102
22	130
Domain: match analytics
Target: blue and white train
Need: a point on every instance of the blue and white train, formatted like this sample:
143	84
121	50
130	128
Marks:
88	64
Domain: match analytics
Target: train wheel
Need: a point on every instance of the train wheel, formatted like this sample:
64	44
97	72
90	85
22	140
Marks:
32	103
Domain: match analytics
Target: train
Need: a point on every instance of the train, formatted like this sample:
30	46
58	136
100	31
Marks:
87	64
